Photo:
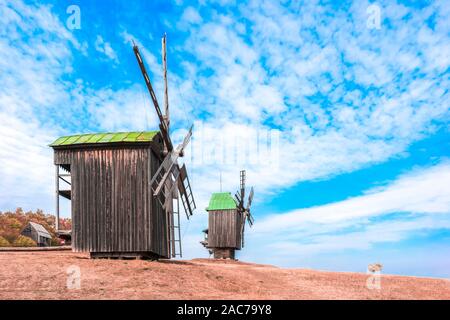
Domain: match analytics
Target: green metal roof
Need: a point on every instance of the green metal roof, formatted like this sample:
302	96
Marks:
107	137
221	201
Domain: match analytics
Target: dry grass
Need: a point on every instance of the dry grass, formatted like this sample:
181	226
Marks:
43	275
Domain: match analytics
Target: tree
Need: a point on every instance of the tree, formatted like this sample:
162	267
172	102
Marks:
65	224
4	242
12	223
23	241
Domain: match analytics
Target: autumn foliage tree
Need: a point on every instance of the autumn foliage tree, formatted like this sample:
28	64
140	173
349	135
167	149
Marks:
4	242
12	224
23	241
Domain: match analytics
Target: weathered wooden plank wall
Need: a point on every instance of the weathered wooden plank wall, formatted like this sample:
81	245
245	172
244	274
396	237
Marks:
223	229
239	221
113	209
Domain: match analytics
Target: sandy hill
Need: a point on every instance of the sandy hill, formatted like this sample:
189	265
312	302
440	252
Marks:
43	275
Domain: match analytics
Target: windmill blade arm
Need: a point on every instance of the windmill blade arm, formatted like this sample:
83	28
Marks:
166	137
176	174
242	183
161	184
147	82
163	172
187	138
250	219
162	125
166	95
185	190
250	199
238	200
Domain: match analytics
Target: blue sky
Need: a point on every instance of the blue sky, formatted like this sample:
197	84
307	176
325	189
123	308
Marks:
359	171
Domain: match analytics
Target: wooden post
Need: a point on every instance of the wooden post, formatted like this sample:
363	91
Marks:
179	225
166	94
170	212
57	197
168	185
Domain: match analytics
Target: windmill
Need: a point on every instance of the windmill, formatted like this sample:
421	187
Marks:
227	217
125	187
170	182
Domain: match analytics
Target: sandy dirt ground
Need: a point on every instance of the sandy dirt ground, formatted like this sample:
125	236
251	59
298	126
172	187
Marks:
45	275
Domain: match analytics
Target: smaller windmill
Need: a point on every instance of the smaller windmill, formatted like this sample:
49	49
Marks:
226	221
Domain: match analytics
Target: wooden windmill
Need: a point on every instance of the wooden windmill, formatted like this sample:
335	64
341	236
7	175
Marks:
226	221
125	187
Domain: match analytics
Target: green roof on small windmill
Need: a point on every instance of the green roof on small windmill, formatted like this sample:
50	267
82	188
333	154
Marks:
107	137
221	201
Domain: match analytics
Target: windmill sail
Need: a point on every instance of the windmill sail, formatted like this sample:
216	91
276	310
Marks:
169	179
184	186
162	123
249	203
244	210
242	183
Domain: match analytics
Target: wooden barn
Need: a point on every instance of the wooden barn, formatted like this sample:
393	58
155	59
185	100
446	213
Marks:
38	233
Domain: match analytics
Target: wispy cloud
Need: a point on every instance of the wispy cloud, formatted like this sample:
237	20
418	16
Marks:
38	103
344	96
189	17
105	48
32	65
417	201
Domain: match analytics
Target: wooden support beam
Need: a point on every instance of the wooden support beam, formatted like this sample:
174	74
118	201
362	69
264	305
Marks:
57	197
166	90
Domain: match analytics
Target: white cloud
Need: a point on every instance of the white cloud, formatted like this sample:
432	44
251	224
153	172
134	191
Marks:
372	108
32	90
420	201
190	16
105	48
26	164
121	110
343	96
37	104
